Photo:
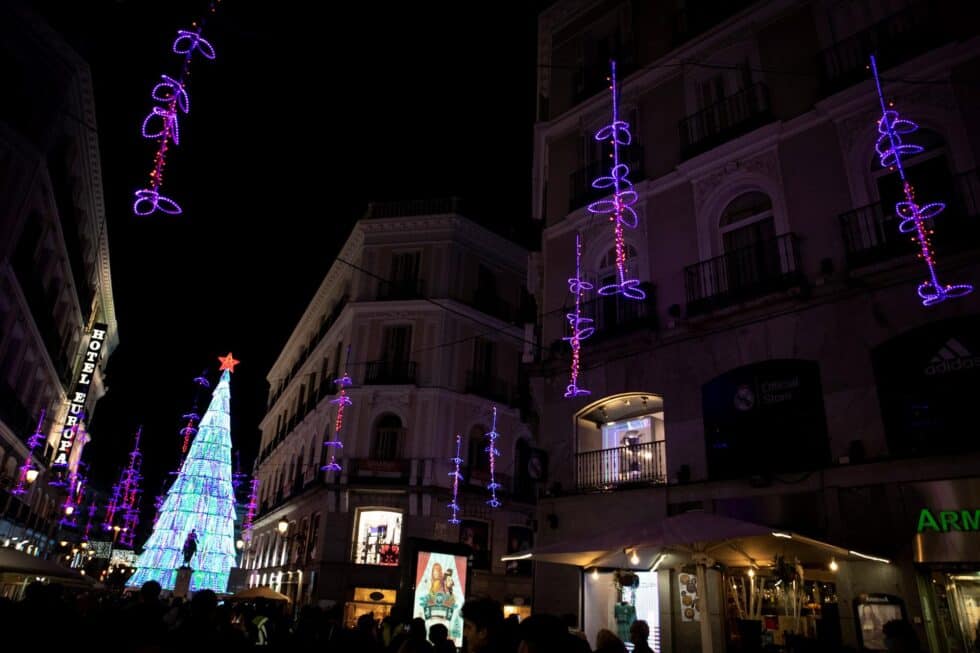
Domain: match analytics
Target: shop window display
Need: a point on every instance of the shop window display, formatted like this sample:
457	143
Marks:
615	600
377	537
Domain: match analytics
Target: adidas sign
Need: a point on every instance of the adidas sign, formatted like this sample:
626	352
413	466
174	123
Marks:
952	357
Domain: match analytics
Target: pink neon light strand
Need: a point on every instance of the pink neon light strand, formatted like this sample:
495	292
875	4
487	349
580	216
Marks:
341	401
619	207
891	149
33	443
581	327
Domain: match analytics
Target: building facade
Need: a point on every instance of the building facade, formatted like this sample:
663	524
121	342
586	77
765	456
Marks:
782	369
57	317
420	308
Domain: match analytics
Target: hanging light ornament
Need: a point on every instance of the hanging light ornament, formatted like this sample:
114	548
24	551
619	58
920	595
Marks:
492	452
581	327
912	215
457	477
619	207
33	443
162	123
341	401
253	507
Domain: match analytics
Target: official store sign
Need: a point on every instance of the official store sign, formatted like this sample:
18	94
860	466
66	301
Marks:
76	403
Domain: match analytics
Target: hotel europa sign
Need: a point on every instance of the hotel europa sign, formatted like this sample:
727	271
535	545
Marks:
76	401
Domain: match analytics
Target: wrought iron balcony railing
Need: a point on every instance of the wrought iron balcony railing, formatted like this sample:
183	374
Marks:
390	373
871	232
724	120
899	37
742	274
608	468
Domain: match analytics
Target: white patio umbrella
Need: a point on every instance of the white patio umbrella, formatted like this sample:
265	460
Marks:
704	538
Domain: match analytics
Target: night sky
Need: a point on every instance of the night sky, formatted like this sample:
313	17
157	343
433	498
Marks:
302	119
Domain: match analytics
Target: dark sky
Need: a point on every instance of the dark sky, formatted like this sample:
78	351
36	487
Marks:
302	119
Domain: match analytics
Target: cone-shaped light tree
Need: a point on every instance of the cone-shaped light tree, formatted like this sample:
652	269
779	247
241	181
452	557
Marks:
201	499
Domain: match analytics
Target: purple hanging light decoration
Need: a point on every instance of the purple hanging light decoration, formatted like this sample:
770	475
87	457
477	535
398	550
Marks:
33	442
131	493
190	429
253	507
341	401
92	509
110	509
581	327
912	215
619	207
493	452
162	123
62	477
457	477
73	501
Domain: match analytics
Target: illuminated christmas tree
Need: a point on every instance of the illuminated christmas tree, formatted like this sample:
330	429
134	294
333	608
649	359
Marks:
201	498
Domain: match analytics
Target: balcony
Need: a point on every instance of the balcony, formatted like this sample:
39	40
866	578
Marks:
390	373
722	121
746	273
489	387
580	181
400	289
374	471
607	468
871	232
893	40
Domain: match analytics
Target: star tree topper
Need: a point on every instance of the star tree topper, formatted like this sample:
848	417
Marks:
228	363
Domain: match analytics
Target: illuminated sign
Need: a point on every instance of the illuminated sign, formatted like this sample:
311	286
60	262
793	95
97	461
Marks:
440	590
76	402
944	521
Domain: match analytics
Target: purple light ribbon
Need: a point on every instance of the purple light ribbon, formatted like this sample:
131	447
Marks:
195	42
156	202
171	90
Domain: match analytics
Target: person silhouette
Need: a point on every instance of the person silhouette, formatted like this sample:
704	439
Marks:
190	547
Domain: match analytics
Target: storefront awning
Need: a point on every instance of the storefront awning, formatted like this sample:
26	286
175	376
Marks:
646	545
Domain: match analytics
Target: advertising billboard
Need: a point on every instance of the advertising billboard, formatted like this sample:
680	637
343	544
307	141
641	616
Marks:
440	590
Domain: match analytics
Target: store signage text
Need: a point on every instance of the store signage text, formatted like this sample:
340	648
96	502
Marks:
76	401
944	521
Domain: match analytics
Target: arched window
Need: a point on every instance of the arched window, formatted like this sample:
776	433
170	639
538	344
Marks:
477	458
747	220
387	438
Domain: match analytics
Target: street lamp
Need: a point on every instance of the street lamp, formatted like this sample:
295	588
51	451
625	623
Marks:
31	475
283	526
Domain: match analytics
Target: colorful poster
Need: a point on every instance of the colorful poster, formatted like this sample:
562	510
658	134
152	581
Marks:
690	603
440	590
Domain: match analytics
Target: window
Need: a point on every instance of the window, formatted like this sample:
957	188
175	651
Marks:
405	267
397	343
377	537
478	460
483	358
387	438
748	235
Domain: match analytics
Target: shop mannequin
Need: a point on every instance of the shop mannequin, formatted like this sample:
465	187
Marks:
625	615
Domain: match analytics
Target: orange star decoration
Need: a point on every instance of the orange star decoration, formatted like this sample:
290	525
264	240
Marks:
228	363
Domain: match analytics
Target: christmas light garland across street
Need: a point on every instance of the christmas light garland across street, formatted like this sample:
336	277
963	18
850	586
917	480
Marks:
163	121
33	442
492	451
341	401
891	149
457	477
619	207
581	327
